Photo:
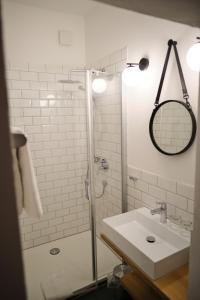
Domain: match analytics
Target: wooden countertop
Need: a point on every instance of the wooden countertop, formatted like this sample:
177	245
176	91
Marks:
172	286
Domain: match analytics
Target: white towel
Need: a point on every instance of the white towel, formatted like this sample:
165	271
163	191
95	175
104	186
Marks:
18	182
28	194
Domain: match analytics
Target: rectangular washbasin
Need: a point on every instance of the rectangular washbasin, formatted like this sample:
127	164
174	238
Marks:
130	231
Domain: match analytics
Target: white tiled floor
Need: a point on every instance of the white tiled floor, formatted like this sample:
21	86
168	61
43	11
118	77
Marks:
70	270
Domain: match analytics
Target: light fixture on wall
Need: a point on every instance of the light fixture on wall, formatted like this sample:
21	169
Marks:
131	74
99	85
193	56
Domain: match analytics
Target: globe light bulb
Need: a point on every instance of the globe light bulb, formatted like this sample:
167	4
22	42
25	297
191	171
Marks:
131	75
193	57
99	85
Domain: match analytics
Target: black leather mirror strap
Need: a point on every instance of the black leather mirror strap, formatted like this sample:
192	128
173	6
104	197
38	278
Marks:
184	88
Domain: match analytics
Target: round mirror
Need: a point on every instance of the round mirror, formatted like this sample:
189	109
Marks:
172	127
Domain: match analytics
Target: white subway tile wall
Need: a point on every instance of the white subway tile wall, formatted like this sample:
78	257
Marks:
54	119
146	189
53	115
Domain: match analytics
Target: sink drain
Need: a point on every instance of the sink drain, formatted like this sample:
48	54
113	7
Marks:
150	239
54	251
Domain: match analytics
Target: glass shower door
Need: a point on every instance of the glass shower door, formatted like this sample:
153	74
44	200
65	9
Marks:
108	164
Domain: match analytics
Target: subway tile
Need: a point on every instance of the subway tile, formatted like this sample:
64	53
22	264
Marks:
149	201
54	68
14	94
141	185
30	76
41	240
56	221
149	177
40	225
15	75
32	235
54	207
185	190
185	216
70	231
134	193
55	236
27	228
47	231
176	200
31	112
46	77
18	103
157	193
190	206
16	112
19	66
30	94
36	85
167	184
37	67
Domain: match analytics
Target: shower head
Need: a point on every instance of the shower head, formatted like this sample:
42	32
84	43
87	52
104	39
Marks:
70	81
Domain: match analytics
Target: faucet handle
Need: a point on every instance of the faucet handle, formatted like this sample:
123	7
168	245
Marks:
162	204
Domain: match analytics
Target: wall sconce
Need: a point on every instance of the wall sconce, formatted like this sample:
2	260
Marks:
193	56
99	85
131	74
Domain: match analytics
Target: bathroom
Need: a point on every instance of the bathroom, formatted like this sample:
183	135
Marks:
82	98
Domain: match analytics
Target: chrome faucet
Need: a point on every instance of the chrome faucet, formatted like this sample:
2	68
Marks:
162	210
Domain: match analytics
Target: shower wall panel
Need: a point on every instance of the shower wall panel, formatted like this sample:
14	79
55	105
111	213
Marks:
53	115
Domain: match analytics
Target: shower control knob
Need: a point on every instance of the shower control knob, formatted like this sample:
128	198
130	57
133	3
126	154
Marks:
104	164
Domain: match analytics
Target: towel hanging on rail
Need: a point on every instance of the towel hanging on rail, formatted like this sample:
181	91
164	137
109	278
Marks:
18	140
27	193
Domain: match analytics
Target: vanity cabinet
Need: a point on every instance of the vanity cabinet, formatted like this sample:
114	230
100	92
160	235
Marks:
172	286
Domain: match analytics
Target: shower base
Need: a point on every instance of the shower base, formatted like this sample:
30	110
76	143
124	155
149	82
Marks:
57	276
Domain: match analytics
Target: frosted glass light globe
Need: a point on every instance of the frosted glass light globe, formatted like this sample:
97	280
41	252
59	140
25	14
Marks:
99	85
131	75
193	57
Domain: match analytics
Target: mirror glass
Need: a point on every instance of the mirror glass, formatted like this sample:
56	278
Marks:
171	127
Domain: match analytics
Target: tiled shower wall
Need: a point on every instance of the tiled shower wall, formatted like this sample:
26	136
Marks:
53	115
145	189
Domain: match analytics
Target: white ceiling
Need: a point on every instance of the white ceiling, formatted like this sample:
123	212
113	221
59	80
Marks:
78	7
182	11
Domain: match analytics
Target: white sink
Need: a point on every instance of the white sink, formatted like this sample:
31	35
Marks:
129	231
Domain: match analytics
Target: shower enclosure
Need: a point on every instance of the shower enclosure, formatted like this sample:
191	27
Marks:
105	155
77	141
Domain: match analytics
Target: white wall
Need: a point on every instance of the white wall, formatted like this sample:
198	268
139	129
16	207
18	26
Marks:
109	29
31	35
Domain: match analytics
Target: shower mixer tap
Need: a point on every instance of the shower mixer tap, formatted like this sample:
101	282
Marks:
103	163
87	186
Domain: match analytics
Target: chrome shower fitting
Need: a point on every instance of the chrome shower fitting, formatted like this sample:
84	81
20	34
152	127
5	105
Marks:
102	162
104	184
87	184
